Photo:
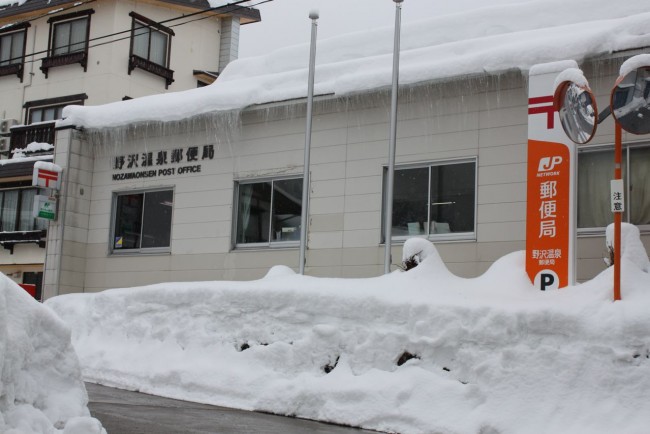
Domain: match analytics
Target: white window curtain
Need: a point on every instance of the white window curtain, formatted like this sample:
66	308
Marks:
595	170
78	35
158	52
61	38
141	40
17	47
639	199
26	220
5	50
9	210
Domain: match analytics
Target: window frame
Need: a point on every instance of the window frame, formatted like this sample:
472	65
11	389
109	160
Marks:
448	237
600	231
19	204
57	103
146	64
17	68
146	250
235	217
68	58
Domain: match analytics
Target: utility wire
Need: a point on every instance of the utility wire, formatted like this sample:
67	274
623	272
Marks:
230	7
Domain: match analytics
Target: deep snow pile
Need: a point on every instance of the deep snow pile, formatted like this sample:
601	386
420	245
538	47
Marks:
411	352
41	391
493	39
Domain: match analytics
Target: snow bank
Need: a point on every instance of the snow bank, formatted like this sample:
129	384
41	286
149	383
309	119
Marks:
492	39
411	352
41	391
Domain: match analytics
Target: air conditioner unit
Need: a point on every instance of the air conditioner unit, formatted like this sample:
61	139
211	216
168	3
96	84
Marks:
4	144
6	124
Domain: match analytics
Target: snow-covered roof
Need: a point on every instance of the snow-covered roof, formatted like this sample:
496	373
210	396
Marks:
488	40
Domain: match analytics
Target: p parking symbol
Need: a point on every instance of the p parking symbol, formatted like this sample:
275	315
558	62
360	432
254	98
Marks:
546	280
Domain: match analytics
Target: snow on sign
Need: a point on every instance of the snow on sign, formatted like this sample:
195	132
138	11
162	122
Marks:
550	212
47	175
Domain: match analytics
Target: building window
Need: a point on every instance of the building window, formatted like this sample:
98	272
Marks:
595	170
437	200
150	47
142	221
268	212
50	109
12	50
16	211
69	35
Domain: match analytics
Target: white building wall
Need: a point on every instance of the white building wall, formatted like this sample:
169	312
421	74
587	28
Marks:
478	118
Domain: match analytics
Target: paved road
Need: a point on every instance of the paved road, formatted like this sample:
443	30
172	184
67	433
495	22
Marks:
124	412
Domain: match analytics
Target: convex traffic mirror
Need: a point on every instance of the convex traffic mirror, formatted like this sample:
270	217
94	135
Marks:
631	97
576	105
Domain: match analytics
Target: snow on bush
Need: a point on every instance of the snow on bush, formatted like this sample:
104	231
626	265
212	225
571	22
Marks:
420	351
41	391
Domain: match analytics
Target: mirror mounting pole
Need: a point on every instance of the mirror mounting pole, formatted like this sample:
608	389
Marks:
604	114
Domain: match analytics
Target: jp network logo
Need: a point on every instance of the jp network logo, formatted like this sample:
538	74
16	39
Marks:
547	164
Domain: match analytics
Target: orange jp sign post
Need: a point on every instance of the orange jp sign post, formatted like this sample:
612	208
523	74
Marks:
550	212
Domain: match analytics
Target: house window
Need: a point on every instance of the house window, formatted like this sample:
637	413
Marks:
12	50
50	109
595	170
142	221
16	211
150	47
69	35
437	200
268	212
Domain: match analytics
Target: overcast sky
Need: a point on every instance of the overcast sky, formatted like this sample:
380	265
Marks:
286	22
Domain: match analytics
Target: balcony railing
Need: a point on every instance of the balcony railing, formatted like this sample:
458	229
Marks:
154	68
12	69
80	57
23	136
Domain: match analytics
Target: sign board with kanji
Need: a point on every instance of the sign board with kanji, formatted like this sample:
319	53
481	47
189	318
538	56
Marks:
550	210
47	175
617	196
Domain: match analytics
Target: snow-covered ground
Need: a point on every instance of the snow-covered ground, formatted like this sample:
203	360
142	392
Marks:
41	391
412	352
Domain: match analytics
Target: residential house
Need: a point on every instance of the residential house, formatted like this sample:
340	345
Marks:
55	53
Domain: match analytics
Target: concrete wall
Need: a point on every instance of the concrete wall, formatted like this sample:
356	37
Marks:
483	118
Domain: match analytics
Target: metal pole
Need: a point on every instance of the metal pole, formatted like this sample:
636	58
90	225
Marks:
618	161
388	217
313	15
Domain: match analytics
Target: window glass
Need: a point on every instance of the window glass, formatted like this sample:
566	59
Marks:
11	48
10	210
269	211
595	170
434	200
254	212
143	220
157	219
452	198
5	49
410	193
287	209
128	221
17	47
141	40
26	221
70	36
158	53
639	200
78	35
61	38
